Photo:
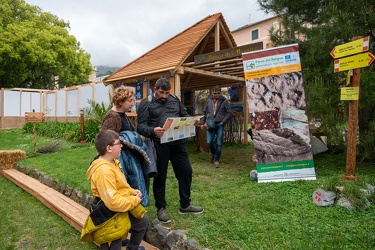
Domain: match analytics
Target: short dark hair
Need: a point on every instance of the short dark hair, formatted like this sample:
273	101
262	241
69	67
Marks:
163	83
216	88
103	139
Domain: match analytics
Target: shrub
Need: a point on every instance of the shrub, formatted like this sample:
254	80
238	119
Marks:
70	131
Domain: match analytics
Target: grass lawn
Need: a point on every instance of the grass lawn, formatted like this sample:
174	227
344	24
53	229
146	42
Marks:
239	213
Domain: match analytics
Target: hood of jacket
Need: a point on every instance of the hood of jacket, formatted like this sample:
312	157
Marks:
96	164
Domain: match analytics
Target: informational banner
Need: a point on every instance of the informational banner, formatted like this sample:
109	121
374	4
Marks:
177	128
276	102
264	63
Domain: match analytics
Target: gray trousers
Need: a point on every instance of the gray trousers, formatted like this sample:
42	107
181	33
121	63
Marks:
138	230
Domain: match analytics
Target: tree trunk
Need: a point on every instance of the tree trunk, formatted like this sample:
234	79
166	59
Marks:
202	143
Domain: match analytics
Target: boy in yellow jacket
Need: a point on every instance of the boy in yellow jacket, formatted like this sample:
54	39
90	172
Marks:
116	208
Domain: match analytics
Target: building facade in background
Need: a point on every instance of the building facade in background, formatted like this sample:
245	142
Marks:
257	32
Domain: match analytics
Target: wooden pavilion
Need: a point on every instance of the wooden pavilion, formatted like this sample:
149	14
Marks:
198	58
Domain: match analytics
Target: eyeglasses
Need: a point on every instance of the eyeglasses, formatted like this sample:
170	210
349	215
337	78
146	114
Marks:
117	143
216	93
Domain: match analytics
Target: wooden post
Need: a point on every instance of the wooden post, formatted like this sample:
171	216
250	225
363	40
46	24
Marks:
82	121
2	108
245	115
352	129
34	131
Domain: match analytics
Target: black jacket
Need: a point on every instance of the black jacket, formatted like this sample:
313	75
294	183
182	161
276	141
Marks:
155	113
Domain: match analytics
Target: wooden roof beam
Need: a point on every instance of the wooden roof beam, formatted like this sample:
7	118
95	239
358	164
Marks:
187	79
236	73
218	67
133	78
227	68
212	74
217	36
212	63
225	35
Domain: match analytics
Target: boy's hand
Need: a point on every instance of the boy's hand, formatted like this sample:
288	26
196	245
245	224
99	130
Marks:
139	193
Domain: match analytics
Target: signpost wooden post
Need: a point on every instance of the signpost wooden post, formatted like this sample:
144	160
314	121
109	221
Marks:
354	62
34	117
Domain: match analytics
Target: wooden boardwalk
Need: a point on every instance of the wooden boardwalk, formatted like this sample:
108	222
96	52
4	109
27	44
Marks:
72	212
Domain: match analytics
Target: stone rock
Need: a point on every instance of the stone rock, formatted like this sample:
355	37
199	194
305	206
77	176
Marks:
175	239
371	188
86	201
27	170
76	196
253	175
156	234
46	180
366	192
190	244
345	203
323	198
33	173
66	190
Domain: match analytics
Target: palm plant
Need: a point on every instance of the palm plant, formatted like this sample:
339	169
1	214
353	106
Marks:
94	116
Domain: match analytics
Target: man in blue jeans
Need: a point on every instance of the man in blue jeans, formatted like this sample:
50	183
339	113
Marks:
217	106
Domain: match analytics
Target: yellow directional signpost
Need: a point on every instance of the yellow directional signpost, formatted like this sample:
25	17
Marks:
351	48
354	62
351	57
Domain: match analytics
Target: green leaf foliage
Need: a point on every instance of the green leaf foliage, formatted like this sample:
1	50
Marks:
71	131
36	48
318	26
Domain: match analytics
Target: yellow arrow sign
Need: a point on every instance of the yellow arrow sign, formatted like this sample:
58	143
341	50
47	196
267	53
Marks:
351	48
353	62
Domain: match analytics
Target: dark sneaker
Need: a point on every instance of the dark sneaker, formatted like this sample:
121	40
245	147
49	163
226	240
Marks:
163	216
211	158
191	209
125	242
217	164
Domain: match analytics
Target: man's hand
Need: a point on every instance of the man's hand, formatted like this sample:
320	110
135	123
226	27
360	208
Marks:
159	132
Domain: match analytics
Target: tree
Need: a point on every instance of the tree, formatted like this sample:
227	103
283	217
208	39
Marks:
318	26
36	48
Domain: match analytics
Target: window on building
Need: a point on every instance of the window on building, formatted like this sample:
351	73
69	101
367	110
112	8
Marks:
255	34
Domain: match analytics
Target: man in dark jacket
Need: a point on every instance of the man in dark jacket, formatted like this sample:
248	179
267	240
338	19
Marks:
152	114
217	106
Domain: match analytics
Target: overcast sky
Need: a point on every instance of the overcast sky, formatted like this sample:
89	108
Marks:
115	32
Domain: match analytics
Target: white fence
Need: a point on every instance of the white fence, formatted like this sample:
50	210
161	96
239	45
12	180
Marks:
60	105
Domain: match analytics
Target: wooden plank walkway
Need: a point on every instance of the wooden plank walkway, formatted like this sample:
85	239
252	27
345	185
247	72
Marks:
72	212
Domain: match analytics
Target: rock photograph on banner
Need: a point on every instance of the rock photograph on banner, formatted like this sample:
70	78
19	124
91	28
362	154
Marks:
276	104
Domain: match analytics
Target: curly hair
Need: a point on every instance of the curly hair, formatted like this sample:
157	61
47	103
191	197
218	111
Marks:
121	94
